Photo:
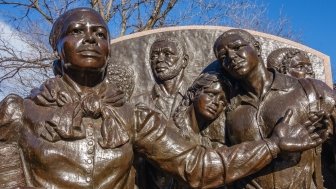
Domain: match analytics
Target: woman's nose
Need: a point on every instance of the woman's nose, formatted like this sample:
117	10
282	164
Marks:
89	38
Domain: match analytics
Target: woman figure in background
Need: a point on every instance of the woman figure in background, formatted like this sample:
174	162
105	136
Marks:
200	115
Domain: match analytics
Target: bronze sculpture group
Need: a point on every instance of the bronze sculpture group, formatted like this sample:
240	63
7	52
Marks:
243	127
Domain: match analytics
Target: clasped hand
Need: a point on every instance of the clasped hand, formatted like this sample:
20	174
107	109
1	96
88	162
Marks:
300	137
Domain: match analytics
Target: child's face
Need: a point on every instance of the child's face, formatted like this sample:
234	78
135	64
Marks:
210	102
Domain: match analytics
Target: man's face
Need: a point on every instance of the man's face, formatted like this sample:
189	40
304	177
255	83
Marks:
166	61
300	67
237	56
84	42
210	102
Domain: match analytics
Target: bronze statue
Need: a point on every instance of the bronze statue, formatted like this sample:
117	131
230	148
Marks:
263	96
291	61
296	63
200	113
122	77
76	131
202	110
168	60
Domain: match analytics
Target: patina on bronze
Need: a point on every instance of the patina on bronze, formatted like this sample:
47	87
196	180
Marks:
168	59
76	131
202	110
263	96
291	61
296	63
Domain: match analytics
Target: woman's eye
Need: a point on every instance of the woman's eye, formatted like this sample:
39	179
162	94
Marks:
101	35
76	31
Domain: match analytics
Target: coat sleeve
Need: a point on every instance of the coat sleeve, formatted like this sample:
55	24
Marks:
198	166
11	109
11	171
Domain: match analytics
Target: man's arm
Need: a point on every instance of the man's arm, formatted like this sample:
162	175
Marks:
202	167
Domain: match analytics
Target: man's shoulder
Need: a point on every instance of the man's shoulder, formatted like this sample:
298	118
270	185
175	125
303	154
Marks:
319	92
321	86
285	81
318	86
145	98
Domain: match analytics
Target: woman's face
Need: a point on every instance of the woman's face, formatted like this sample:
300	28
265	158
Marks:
210	102
84	42
300	67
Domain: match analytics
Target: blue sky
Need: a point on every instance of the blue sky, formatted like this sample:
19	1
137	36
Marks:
314	20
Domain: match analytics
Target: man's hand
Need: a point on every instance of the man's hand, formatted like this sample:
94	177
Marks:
300	137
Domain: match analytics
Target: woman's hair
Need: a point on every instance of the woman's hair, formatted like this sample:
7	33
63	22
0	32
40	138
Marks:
57	68
57	27
122	77
203	81
279	59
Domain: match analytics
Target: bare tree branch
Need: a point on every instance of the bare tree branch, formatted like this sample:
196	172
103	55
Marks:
26	57
154	15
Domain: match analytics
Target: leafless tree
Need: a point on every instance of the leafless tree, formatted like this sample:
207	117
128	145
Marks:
32	20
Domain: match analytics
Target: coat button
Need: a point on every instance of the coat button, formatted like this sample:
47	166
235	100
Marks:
90	151
90	143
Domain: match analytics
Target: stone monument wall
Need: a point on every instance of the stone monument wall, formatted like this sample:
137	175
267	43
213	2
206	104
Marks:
133	51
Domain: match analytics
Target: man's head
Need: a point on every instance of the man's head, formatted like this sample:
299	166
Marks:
81	39
291	61
167	58
238	52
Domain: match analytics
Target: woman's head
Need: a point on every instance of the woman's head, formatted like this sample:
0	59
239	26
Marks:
209	95
81	39
291	61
